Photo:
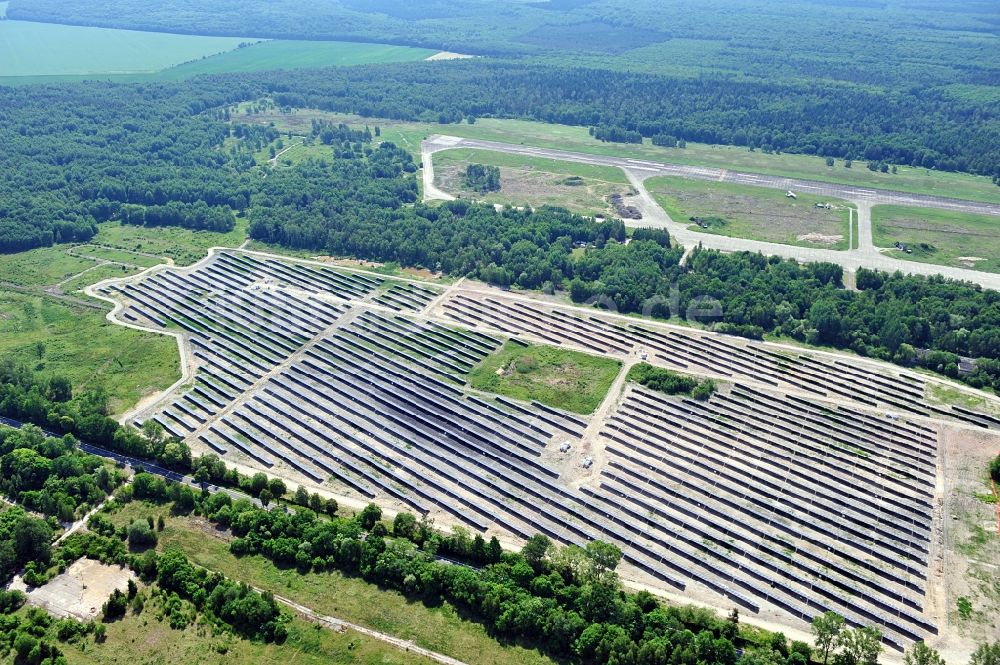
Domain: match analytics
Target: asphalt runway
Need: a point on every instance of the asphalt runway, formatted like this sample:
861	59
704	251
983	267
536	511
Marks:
653	215
650	169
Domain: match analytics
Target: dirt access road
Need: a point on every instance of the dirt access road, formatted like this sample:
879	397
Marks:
638	171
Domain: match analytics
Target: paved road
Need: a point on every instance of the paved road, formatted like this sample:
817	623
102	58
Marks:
866	256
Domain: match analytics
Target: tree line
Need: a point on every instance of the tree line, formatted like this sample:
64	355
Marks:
928	321
29	397
75	154
566	601
926	128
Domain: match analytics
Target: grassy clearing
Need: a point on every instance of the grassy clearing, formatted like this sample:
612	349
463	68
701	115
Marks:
943	237
144	638
940	393
182	245
757	213
563	379
76	285
437	628
115	255
83	346
46	49
565	137
532	181
592	171
45	266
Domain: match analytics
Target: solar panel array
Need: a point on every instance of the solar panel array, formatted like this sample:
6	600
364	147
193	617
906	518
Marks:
784	501
767	499
705	353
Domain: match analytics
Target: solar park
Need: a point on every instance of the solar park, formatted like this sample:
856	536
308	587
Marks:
805	484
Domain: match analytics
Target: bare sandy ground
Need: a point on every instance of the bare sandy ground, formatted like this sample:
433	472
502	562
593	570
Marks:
80	591
965	552
448	55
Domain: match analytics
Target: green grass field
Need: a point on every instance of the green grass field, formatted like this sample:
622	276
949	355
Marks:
45	266
560	378
81	344
577	139
943	237
592	171
757	213
115	255
44	49
145	638
184	246
438	628
533	181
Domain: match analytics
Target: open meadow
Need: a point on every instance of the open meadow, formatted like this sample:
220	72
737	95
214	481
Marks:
48	322
943	237
534	181
756	213
578	139
562	379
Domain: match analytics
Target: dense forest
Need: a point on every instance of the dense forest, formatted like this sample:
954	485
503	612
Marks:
892	43
76	154
917	127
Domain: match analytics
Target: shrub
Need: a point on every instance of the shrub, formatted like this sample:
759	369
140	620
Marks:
140	536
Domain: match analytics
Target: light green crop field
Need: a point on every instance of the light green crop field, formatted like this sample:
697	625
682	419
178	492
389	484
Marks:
944	237
533	181
757	213
46	52
563	379
577	139
295	54
45	49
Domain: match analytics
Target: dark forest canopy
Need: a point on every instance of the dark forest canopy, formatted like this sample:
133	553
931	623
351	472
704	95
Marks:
80	154
891	43
74	154
919	128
